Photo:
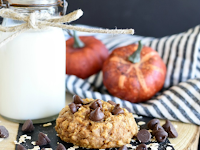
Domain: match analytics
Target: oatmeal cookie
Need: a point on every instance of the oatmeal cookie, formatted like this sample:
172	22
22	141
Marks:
97	124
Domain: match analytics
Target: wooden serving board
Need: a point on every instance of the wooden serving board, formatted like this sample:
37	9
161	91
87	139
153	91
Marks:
187	140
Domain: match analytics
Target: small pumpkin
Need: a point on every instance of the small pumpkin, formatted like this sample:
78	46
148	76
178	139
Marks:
85	56
134	73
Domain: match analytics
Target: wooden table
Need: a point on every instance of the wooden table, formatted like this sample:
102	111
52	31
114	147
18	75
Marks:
187	140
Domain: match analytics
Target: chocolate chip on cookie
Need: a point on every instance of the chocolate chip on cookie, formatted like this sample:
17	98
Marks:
144	136
42	139
123	147
152	123
141	147
112	103
96	103
77	99
96	115
21	147
60	147
117	110
3	132
161	135
169	128
28	126
74	107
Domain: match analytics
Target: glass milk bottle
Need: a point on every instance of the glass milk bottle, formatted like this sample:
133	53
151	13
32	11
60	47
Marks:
32	67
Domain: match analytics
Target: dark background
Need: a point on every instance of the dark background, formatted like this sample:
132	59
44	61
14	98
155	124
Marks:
148	17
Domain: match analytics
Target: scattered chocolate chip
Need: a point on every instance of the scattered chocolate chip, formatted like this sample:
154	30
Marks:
3	132
117	110
144	136
156	128
28	126
161	135
141	147
96	115
77	99
152	123
96	103
169	128
60	147
21	147
74	107
42	139
123	147
112	103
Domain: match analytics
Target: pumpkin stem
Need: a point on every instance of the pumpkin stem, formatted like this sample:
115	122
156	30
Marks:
77	42
135	57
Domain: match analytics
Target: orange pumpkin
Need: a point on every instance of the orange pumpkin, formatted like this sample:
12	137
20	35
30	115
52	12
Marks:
134	73
85	56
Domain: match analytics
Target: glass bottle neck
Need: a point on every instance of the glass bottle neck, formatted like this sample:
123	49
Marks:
33	2
52	11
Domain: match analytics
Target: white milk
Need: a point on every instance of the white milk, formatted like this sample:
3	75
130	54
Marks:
32	75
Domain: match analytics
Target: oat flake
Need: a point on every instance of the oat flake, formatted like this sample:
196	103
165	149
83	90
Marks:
153	146
141	123
71	148
136	116
75	146
35	148
33	142
47	124
22	139
168	148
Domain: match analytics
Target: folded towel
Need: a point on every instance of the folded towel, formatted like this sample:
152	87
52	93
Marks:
180	97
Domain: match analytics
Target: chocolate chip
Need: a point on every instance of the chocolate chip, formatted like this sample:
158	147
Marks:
112	103
156	128
78	106
152	123
21	147
117	110
77	99
161	135
144	136
123	147
28	126
96	103
60	147
96	115
169	128
42	139
74	107
141	147
3	132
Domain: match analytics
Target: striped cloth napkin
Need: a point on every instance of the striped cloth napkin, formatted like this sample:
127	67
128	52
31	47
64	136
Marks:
180	97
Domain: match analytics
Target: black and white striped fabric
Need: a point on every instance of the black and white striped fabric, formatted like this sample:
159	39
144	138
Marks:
180	97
